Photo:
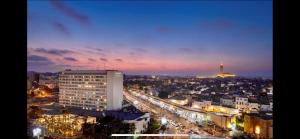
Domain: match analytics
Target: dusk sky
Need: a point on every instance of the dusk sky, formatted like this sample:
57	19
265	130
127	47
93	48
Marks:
173	38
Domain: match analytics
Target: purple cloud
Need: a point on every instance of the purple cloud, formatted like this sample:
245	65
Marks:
185	50
61	28
140	50
58	52
132	53
37	61
99	49
103	59
70	59
83	19
119	60
120	44
91	59
37	58
190	50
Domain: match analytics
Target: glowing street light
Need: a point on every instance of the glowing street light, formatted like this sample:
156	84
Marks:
163	120
135	102
37	132
257	130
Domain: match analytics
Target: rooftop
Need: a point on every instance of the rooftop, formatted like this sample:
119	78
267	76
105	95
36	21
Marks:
119	114
86	71
177	97
262	115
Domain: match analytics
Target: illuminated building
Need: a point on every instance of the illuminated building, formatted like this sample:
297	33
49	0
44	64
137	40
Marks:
227	101
49	82
241	103
91	89
63	125
259	124
178	100
223	74
201	104
221	120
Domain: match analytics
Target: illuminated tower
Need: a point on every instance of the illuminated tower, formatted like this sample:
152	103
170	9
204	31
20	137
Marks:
221	68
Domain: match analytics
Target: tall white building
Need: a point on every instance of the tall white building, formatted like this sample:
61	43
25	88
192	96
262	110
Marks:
91	89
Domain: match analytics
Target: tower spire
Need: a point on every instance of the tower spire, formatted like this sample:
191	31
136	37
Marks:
221	68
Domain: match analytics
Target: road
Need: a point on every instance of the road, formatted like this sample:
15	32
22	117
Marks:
159	112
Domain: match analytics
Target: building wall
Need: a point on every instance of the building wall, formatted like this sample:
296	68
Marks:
179	102
264	107
141	125
252	122
241	103
253	107
91	90
201	105
220	120
29	84
114	90
227	102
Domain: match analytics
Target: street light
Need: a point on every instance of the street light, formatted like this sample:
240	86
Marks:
257	131
163	120
37	132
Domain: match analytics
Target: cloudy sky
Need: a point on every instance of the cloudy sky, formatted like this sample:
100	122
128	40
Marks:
174	38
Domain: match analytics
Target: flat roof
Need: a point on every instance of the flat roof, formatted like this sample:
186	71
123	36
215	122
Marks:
118	114
66	72
177	97
262	115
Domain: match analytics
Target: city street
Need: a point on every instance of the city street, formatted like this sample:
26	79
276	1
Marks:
159	112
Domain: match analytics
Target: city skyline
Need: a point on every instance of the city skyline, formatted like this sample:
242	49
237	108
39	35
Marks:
173	38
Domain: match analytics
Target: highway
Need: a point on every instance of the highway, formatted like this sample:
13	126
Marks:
158	112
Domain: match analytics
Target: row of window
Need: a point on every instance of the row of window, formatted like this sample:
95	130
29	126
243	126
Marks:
79	105
81	76
81	102
66	79
92	98
94	82
81	86
85	89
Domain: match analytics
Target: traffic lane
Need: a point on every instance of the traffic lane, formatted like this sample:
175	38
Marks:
167	113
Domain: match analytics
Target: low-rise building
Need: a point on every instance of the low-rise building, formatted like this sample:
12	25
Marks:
241	103
180	100
223	110
259	124
253	105
227	101
266	107
204	104
221	120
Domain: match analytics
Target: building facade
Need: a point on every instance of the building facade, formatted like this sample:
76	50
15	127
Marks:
91	89
227	102
260	125
204	105
241	103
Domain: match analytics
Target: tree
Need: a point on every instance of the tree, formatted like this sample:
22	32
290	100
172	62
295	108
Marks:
153	127
105	126
163	94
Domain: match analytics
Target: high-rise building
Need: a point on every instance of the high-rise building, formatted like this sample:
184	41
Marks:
91	89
